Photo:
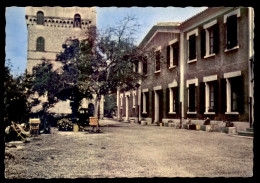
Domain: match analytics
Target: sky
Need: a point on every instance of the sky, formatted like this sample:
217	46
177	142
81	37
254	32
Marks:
16	31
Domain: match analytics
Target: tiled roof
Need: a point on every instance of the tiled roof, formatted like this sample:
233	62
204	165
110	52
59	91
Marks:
159	25
194	15
168	23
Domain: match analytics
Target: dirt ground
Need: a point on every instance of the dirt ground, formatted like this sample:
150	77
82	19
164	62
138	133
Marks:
131	150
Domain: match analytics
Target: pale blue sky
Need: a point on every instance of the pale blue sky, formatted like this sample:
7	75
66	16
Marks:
16	32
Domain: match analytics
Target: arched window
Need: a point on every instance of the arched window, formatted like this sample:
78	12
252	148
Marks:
40	18
77	21
40	44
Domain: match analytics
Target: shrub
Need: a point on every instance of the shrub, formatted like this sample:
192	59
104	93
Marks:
65	125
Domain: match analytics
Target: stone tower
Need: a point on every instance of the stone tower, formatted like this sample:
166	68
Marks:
48	28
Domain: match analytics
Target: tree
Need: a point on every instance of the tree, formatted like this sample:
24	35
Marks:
97	65
110	64
60	84
16	106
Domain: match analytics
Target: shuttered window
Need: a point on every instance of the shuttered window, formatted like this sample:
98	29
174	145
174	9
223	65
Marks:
210	41
145	65
192	47
231	30
192	99
157	60
175	53
168	55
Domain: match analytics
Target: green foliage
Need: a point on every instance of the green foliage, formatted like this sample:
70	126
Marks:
16	106
61	84
110	105
65	125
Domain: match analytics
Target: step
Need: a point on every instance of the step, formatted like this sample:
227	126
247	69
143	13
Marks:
243	133
250	129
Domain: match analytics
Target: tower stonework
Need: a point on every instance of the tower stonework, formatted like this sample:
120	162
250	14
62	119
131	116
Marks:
48	28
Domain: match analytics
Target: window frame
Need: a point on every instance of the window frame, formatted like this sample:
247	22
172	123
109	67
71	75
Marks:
145	94
157	63
145	65
210	82
237	14
210	37
188	83
189	35
172	54
229	98
76	23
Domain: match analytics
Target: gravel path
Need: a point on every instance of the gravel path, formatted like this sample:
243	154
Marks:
131	150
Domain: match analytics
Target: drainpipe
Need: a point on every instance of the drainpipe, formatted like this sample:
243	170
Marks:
140	68
182	64
250	59
118	102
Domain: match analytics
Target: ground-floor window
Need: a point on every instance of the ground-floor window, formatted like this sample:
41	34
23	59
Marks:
234	94
211	91
192	98
173	99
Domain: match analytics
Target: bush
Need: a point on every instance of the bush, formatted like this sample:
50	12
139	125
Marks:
65	125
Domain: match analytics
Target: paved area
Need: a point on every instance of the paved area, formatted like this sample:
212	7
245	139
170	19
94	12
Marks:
131	150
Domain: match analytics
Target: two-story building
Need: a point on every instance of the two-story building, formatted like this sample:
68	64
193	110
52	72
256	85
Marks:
202	68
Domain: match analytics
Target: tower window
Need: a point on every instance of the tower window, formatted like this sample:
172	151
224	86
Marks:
40	18
40	44
77	21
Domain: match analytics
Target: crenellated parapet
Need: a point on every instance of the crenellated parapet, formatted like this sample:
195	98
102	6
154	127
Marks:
59	22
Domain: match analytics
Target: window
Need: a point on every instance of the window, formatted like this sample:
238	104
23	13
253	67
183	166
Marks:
157	60
40	44
135	64
211	96
234	100
40	18
210	39
145	65
77	21
192	47
173	100
231	32
234	93
173	55
192	99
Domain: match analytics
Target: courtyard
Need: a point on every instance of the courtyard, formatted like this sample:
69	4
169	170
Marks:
131	150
